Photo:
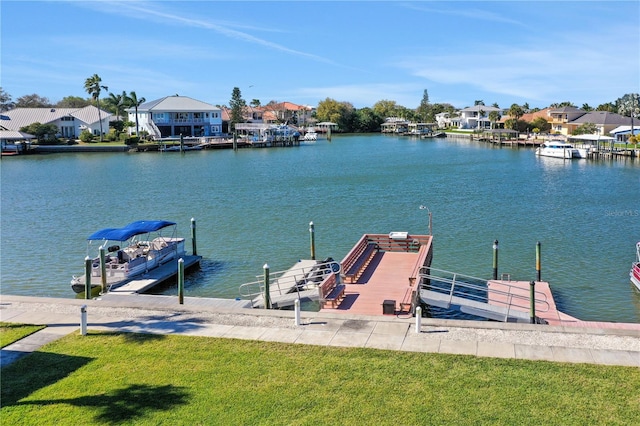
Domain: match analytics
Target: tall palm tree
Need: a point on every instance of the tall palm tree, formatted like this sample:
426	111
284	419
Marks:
133	101
117	102
93	87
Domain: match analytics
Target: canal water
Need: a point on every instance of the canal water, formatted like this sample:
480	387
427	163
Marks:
253	206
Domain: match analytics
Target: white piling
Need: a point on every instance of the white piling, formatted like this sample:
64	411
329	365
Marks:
418	319
83	320
296	305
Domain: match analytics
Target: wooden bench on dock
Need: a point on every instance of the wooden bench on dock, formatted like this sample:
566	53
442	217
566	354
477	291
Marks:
423	252
331	293
357	260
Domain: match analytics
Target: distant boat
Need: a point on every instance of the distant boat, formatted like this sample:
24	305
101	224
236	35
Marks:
634	274
558	149
310	135
127	255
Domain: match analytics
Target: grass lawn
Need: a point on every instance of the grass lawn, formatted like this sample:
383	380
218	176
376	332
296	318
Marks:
10	332
178	380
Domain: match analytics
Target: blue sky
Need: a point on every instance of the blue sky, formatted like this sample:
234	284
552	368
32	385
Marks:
361	51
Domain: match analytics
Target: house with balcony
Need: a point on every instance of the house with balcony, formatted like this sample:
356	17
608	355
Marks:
70	121
172	116
475	117
559	118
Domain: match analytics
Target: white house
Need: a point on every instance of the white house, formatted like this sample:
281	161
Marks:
475	117
173	116
70	121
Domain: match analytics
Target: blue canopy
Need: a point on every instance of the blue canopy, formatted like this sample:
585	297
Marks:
134	228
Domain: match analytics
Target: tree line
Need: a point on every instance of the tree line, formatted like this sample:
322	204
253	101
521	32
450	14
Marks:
348	118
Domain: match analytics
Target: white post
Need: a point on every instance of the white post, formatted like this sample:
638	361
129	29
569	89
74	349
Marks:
83	320
296	305
418	319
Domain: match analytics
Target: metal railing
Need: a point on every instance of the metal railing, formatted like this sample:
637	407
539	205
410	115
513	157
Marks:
289	281
479	290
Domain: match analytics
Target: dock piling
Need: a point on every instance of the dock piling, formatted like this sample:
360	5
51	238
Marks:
193	237
418	319
181	281
103	270
313	240
495	260
87	277
267	295
538	262
532	298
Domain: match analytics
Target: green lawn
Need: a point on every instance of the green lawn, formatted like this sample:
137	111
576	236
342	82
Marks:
178	380
10	332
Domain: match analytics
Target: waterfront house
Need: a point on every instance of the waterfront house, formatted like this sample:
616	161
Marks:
623	133
561	117
475	117
604	121
70	121
172	116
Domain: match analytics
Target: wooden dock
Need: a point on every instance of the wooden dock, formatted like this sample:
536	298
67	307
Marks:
385	286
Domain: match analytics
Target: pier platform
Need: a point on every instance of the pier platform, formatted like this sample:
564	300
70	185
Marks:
156	276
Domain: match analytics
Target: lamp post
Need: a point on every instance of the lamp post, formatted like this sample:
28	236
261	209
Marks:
430	217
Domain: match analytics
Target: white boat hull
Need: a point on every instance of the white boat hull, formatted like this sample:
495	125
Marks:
131	262
634	274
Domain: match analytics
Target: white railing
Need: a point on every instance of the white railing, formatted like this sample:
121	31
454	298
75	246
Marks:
478	289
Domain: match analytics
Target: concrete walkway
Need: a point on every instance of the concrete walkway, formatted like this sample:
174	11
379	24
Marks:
163	315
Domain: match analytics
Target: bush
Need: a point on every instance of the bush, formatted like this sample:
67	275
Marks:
86	136
133	140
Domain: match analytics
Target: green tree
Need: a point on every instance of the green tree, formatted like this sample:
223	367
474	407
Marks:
386	108
423	111
367	121
42	132
609	107
73	102
255	103
585	129
494	117
6	103
93	87
237	105
628	105
587	107
541	124
33	101
132	101
515	111
116	103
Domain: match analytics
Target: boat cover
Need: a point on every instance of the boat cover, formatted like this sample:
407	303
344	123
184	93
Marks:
134	228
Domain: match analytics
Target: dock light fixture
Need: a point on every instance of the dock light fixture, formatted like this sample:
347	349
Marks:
422	207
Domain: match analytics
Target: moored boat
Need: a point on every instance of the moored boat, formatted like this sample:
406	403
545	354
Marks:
558	149
634	274
130	251
310	135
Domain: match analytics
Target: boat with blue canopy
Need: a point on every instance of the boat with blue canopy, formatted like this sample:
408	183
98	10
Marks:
130	251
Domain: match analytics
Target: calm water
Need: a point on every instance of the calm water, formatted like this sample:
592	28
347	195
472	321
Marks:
253	207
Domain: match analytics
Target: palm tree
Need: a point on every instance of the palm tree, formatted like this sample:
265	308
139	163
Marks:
133	101
93	87
117	102
516	112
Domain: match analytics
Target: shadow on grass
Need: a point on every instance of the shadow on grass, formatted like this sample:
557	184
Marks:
43	369
127	404
38	370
